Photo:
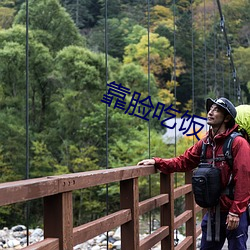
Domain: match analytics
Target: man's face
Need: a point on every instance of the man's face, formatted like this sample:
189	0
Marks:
215	116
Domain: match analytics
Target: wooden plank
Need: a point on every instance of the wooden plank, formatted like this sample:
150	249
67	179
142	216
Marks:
182	218
58	219
178	192
198	231
24	190
90	230
98	177
154	238
198	209
190	205
152	203
46	244
167	210
185	244
129	196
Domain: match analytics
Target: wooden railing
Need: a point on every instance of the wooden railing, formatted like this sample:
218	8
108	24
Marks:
59	232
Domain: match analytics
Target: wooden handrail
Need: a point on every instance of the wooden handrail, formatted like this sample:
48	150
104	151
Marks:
58	208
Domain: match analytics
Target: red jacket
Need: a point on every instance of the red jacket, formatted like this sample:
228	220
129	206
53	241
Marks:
241	167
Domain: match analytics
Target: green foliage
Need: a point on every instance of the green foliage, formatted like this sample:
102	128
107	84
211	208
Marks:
118	31
42	162
12	149
73	62
161	53
84	13
6	17
242	63
136	34
161	16
53	25
133	76
12	68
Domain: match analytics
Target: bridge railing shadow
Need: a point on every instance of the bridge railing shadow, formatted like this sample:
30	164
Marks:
56	192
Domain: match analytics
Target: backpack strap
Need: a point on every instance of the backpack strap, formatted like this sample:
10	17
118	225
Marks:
227	148
203	152
227	151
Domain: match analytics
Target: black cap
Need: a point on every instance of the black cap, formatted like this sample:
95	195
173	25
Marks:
223	103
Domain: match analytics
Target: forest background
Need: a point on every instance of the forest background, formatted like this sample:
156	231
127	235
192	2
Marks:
76	47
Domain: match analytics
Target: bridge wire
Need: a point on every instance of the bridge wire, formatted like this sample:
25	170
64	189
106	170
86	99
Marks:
229	83
107	121
222	68
174	75
230	56
192	72
220	64
205	49
175	98
77	13
215	52
149	125
27	206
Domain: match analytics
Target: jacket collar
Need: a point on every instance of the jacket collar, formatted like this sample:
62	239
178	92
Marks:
221	136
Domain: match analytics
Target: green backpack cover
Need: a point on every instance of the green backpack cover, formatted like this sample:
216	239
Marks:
243	118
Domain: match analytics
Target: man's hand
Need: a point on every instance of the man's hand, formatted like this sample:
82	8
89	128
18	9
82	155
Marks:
232	221
146	162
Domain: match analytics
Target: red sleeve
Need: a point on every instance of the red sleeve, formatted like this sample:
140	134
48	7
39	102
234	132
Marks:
241	175
185	162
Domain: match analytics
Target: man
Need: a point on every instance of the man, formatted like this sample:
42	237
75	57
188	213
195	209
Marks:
221	115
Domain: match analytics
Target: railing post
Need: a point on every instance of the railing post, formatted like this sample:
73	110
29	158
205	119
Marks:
58	219
129	198
167	210
190	205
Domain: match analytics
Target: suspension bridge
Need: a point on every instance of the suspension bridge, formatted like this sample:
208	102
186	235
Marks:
56	192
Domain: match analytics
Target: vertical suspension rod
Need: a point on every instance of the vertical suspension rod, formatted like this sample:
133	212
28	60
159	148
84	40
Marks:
106	81
27	113
149	141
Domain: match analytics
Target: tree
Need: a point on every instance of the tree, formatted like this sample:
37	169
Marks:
53	25
132	76
12	62
79	76
242	64
161	57
42	163
118	31
13	148
84	13
40	60
6	17
161	16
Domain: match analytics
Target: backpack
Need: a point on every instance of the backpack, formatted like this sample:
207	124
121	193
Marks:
206	185
206	179
243	120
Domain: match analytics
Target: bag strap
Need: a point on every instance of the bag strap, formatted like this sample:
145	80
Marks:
227	151
203	152
217	223
227	148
